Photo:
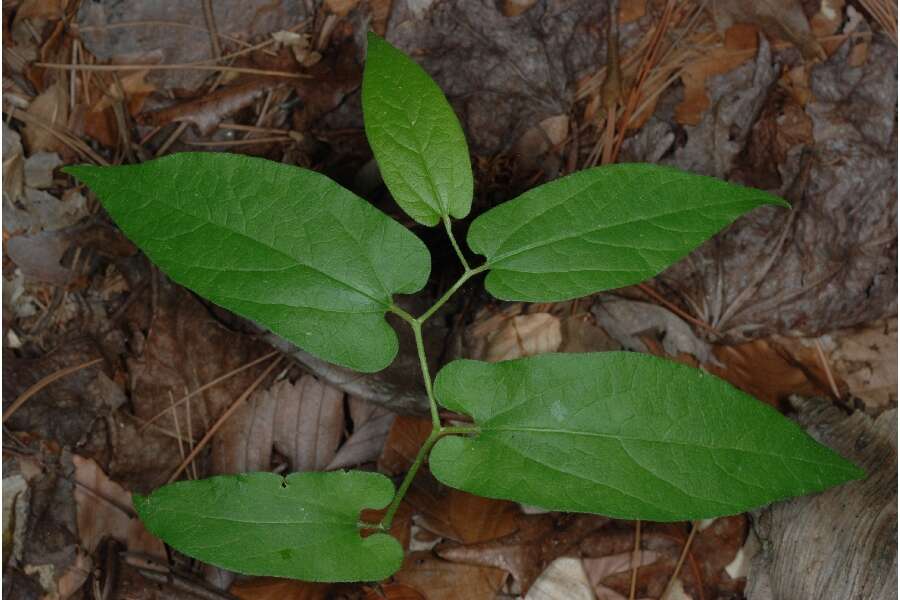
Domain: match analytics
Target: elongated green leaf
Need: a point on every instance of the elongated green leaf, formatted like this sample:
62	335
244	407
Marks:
415	136
625	435
602	228
303	526
283	246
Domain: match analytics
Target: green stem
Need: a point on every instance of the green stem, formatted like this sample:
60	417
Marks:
436	434
459	253
436	430
449	293
407	481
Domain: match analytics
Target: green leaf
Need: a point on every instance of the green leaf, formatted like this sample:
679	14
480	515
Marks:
283	246
303	526
602	228
415	136
625	435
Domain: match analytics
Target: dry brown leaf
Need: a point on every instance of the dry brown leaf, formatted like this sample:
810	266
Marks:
207	111
563	579
771	370
406	436
778	18
631	10
459	516
40	9
51	107
371	424
507	335
185	348
598	569
442	580
309	422
13	165
739	47
866	360
271	588
514	8
538	541
393	591
340	7
103	508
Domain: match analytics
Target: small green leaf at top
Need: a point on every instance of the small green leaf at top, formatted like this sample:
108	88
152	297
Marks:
625	435
303	526
603	228
416	138
286	247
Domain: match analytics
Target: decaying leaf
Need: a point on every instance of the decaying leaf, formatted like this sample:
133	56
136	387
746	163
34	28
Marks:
444	580
538	541
564	579
207	111
51	108
865	358
272	588
509	334
406	436
104	509
371	424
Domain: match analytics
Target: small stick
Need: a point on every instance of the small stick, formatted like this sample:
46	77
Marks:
684	553
40	385
221	421
827	367
206	386
635	559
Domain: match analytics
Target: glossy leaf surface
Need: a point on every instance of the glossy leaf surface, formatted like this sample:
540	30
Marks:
303	526
625	435
286	247
415	136
602	228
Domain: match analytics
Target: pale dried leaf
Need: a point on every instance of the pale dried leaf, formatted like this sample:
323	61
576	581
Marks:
39	169
624	320
104	509
564	579
503	337
371	424
866	360
51	108
309	422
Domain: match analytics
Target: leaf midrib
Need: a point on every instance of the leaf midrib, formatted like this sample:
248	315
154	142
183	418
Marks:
620	438
595	229
278	251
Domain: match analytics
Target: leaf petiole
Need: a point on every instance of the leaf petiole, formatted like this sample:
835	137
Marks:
462	258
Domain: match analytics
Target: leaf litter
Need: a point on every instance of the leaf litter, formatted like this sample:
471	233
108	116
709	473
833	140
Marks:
769	82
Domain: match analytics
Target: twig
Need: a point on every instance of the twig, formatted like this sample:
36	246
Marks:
211	27
684	553
221	421
173	67
827	367
40	385
262	140
635	559
212	383
64	136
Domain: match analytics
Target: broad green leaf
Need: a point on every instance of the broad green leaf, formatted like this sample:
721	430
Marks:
283	246
625	435
415	136
303	526
602	228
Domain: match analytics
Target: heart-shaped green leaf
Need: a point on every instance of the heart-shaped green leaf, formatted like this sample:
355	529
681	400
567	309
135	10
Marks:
415	136
303	526
602	228
625	435
281	245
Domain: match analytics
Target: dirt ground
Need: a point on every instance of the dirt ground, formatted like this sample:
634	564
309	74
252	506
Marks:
115	379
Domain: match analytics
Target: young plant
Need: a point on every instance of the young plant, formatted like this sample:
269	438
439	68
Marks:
615	433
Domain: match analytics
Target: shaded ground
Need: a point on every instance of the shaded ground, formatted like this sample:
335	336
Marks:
113	375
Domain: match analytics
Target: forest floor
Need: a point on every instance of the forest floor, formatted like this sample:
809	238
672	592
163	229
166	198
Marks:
113	376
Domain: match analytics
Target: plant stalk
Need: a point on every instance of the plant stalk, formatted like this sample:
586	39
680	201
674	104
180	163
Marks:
437	432
456	248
